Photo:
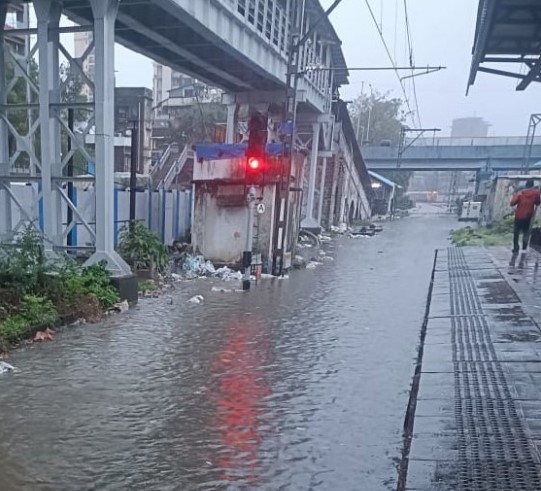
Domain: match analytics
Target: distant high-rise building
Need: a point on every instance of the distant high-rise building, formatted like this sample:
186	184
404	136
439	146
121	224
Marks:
173	90
17	18
82	41
469	128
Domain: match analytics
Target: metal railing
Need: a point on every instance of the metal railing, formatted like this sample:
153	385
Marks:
266	18
163	159
490	141
175	168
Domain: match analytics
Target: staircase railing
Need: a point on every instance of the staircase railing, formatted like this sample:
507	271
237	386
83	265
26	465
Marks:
175	168
163	159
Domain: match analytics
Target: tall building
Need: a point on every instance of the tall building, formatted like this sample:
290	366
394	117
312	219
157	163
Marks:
173	90
82	41
469	128
17	18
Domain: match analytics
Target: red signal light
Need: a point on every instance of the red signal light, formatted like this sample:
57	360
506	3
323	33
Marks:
254	163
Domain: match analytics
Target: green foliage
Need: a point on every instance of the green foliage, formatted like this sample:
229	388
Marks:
379	118
194	123
33	312
23	265
73	284
97	281
147	287
142	249
33	290
386	117
500	233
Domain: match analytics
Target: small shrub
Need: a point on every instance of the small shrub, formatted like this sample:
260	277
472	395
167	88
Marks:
34	311
142	249
96	281
14	328
23	265
147	287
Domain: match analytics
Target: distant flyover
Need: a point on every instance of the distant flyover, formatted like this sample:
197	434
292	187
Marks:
455	154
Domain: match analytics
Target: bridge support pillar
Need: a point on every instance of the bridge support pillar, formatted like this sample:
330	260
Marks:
48	19
5	199
104	12
309	221
231	128
322	190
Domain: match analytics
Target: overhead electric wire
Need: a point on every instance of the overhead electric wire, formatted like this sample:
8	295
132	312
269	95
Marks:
412	62
393	63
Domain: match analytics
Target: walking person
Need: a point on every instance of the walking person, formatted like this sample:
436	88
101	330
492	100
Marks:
526	201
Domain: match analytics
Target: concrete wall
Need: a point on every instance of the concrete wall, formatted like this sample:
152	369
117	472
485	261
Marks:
168	214
498	201
220	221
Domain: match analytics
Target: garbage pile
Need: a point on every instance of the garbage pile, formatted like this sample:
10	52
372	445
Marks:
364	231
187	264
6	367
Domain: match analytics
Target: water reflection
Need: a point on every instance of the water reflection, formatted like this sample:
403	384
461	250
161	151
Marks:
239	391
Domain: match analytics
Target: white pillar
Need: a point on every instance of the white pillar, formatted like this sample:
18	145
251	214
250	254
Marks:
48	15
309	221
5	200
231	128
56	145
322	190
104	12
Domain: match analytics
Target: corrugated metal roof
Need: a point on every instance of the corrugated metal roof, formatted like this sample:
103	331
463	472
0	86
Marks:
508	34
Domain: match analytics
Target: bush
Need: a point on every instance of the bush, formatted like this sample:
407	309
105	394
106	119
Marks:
147	287
35	292
23	265
142	249
73	284
34	311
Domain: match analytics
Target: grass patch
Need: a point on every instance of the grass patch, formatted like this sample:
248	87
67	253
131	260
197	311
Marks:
33	311
500	233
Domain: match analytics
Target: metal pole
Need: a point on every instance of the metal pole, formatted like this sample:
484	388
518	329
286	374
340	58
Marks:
70	174
5	199
290	115
247	256
368	125
133	173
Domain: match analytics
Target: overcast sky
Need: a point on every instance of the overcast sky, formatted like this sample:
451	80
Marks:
442	33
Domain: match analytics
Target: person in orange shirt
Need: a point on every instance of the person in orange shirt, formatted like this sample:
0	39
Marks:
526	202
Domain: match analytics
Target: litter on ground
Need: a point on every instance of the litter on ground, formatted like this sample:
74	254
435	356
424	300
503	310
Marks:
6	367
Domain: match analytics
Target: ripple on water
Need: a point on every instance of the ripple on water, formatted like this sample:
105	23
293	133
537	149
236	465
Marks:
302	384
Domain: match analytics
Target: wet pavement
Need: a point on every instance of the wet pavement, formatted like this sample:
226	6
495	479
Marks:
301	384
478	417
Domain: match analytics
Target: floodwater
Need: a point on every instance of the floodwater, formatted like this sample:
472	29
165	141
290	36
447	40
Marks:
301	384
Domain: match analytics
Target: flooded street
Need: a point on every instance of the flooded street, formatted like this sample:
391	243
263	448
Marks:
300	384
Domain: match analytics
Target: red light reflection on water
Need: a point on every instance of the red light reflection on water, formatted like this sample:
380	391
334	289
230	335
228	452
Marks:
238	397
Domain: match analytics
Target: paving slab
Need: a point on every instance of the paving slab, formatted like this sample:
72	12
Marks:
477	422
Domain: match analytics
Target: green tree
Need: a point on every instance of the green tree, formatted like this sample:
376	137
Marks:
378	118
196	123
70	91
19	118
